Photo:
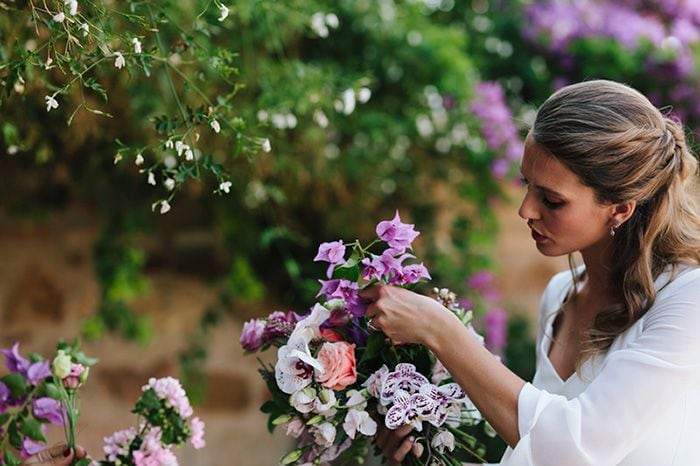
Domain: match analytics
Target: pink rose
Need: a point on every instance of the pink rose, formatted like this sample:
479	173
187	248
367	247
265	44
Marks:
338	361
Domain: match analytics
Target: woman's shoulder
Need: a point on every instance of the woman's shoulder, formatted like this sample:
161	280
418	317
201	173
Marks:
683	278
677	299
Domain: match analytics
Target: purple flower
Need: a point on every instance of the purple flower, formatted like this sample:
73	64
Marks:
496	329
279	325
14	361
252	335
31	447
38	372
333	252
49	409
4	397
410	274
398	235
385	265
480	280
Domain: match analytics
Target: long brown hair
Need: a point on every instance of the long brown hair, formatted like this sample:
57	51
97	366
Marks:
624	148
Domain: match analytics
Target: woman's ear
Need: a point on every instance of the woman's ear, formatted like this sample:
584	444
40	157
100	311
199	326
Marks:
622	212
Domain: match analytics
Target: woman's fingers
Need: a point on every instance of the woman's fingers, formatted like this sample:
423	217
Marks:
57	455
370	292
403	449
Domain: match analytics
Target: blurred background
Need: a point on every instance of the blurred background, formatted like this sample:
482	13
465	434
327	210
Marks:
168	170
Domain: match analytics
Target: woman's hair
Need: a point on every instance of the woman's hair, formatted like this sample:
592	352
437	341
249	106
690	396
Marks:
624	148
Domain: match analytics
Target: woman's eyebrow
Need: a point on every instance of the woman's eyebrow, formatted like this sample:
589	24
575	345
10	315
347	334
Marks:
543	188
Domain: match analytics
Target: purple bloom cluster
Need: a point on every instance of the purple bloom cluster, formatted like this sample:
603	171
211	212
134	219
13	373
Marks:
497	127
259	333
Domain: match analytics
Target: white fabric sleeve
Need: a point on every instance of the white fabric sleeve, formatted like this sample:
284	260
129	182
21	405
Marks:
611	417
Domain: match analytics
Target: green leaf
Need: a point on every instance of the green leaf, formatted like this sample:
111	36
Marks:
52	391
375	344
14	434
349	271
147	402
10	460
15	382
32	429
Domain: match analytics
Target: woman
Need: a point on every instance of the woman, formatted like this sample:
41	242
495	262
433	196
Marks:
618	371
58	455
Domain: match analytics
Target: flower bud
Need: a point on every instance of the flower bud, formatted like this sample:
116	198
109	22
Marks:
292	456
281	419
61	365
315	420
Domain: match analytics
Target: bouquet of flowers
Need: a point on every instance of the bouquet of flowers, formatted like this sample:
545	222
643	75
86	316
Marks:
38	392
335	377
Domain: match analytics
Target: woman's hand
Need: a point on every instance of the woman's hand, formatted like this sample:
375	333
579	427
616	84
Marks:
57	455
396	444
405	316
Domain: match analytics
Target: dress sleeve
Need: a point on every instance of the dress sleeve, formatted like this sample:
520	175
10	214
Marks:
637	383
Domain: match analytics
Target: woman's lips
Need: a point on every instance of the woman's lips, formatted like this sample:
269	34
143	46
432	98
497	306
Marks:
538	237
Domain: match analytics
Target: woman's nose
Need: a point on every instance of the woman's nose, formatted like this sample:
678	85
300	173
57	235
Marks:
528	207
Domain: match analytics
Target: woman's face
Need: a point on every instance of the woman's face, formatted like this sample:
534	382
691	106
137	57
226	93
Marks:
562	212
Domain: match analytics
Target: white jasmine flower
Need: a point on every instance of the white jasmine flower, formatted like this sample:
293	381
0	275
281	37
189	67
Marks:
215	126
169	184
119	61
180	147
225	186
169	144
137	45
72	6
19	85
224	12
189	155
139	160
60	17
151	179
266	146
50	102
364	94
332	20
48	62
348	101
164	207
117	158
85	28
318	24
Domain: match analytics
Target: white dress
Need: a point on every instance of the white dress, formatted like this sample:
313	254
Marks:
637	405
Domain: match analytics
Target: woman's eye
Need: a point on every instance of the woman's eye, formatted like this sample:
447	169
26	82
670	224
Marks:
551	204
523	181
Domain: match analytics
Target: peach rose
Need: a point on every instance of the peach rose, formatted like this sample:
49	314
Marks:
330	335
338	361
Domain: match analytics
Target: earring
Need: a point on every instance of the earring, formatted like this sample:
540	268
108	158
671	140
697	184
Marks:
612	228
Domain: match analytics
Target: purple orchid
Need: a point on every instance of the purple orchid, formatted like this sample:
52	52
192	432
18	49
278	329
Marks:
49	409
443	397
409	409
396	234
333	253
14	361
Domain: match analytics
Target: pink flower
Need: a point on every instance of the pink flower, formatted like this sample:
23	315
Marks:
76	369
338	360
169	390
398	235
496	329
31	447
333	252
330	335
252	335
197	438
118	443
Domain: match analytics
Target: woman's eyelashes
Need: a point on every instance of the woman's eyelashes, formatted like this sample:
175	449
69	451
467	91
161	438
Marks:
548	203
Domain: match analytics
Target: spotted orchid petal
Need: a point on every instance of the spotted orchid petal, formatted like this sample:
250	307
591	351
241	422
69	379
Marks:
404	377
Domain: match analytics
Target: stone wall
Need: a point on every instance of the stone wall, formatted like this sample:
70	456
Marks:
47	286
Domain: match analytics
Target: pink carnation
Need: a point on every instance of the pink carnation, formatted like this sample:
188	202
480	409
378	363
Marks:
118	443
152	451
338	360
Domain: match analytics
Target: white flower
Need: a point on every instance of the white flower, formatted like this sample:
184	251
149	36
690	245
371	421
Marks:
444	439
375	381
439	373
139	160
295	365
164	207
359	421
291	120
189	155
215	126
119	61
262	115
318	24
364	94
266	146
169	184
137	45
179	147
321	119
50	102
169	144
59	17
348	101
117	158
225	186
308	327
49	60
85	28
151	178
12	149
224	12
295	427
332	20
356	399
324	434
325	401
303	400
72	6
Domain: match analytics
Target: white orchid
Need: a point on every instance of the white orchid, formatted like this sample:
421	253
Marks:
443	440
308	328
51	102
374	382
119	61
223	9
295	365
359	421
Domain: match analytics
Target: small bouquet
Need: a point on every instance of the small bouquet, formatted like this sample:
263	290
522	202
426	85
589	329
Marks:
38	392
334	377
166	422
